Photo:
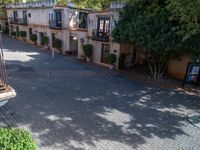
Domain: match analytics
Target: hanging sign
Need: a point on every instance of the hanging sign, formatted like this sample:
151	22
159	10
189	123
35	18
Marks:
192	74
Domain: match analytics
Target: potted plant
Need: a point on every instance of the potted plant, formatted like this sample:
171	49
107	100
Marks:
58	44
13	34
23	35
45	41
88	49
34	38
111	59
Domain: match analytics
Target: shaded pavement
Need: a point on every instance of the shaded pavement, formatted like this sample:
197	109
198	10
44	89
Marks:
71	105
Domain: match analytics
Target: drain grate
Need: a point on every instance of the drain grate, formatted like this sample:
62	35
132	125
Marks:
194	119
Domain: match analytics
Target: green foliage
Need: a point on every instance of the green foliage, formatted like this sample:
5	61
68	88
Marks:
34	37
15	139
22	34
96	4
61	2
187	14
5	31
111	58
88	49
121	62
13	33
58	44
45	40
161	30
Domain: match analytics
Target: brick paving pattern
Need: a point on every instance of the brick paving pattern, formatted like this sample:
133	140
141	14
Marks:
71	105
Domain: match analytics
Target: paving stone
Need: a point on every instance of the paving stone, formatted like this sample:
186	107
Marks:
71	105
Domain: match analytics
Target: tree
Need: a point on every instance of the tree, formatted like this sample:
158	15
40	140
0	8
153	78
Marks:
96	4
187	14
147	24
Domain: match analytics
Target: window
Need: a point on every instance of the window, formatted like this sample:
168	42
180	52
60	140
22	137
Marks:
103	25
55	19
24	16
82	20
15	14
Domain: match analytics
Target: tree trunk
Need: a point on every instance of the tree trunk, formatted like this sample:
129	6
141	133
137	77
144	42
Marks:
157	64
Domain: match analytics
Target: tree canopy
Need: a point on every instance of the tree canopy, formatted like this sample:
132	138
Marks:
97	4
159	27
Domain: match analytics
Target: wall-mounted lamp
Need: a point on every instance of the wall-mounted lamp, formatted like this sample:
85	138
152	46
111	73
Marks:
75	38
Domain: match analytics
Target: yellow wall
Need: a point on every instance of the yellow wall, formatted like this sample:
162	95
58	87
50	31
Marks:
177	68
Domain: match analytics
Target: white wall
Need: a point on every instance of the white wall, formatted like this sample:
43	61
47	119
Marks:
39	16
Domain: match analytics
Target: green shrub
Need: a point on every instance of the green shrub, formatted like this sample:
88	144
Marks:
5	31
58	44
34	37
13	33
121	62
45	40
22	34
16	139
88	49
111	58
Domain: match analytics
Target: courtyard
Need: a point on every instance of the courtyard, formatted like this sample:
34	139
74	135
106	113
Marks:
67	104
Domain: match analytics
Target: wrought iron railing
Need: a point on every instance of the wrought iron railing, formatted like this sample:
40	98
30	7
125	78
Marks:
100	36
53	25
21	21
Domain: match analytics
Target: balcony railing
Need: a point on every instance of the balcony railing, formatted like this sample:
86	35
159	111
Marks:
20	21
53	25
101	36
44	3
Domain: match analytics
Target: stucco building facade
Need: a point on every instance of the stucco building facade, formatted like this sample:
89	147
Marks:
73	26
76	27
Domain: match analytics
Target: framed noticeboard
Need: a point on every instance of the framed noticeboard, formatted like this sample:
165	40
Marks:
192	74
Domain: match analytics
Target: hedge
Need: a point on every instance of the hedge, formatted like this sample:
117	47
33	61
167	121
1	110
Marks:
58	44
45	40
111	58
34	37
22	34
87	49
16	139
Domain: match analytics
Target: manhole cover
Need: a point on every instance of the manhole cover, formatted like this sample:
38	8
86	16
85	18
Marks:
194	119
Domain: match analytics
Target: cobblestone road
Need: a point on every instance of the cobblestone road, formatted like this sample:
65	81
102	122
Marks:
78	106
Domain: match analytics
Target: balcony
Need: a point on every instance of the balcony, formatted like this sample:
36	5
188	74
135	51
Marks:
20	21
100	36
55	25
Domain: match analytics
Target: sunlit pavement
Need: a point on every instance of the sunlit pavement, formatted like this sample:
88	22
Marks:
71	105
